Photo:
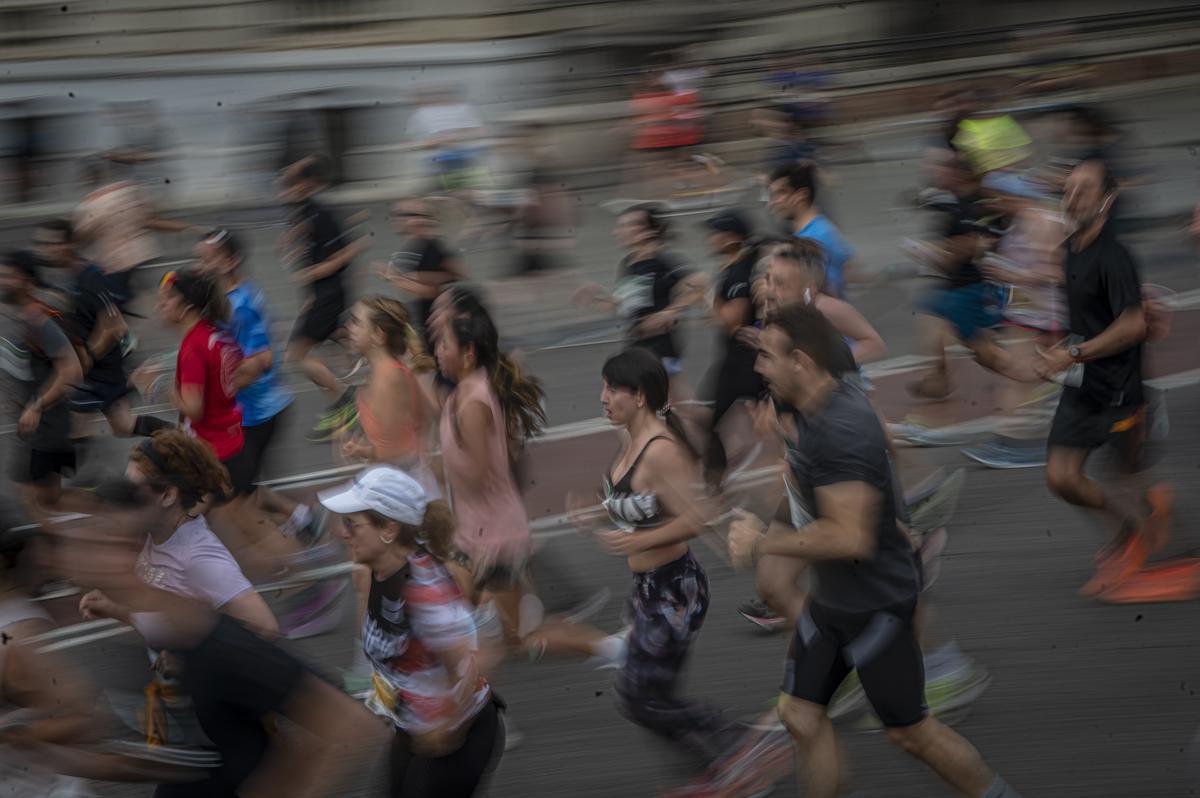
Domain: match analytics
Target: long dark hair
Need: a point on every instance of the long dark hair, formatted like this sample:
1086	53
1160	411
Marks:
202	293
520	393
639	370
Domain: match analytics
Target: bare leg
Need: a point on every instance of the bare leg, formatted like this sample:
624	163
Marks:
1066	478
818	756
947	753
300	351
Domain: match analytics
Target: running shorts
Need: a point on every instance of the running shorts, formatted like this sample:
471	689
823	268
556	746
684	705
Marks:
93	396
881	645
320	320
33	466
255	441
970	310
1079	424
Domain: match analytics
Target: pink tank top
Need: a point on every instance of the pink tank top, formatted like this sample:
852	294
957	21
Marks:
492	523
401	440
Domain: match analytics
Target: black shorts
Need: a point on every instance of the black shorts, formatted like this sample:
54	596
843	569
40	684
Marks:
124	286
320	320
249	460
235	679
241	472
97	397
1079	424
882	646
33	466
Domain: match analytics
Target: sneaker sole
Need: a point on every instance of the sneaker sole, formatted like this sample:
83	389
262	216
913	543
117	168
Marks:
766	624
983	459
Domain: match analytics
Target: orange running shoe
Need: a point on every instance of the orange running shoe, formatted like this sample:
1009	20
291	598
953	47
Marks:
1176	580
1126	559
1161	498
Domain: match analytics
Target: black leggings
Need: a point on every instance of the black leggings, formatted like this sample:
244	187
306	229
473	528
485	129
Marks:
455	775
733	380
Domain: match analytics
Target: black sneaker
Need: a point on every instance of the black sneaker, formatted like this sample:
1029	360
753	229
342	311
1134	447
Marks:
762	616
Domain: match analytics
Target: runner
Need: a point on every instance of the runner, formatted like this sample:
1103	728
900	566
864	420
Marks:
653	288
44	362
425	266
841	515
325	258
96	327
966	306
392	407
1103	401
733	378
654	510
419	634
115	224
793	197
234	677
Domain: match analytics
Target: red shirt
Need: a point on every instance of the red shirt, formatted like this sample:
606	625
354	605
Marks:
207	358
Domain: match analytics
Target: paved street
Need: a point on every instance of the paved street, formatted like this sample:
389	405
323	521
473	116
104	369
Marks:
1086	700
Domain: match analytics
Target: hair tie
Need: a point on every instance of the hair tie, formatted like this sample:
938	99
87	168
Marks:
664	411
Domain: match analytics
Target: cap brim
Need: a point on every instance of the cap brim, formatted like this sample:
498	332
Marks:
342	500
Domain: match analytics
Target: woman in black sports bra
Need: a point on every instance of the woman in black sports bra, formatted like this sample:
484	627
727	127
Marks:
648	497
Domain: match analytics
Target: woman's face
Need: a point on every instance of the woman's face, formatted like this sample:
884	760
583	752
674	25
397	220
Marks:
620	404
361	330
170	308
451	358
363	538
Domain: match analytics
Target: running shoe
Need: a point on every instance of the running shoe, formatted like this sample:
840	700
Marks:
937	509
953	682
997	454
314	530
1175	580
339	416
758	613
931	547
917	433
849	700
1118	562
316	612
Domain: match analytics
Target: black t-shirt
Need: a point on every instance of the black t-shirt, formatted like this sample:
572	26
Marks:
961	216
323	238
91	303
734	283
844	442
424	255
645	287
1103	281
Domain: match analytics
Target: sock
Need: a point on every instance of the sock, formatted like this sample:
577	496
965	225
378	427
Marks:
609	648
148	425
296	521
1000	788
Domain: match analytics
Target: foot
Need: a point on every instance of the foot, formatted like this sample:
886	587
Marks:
338	417
1161	499
1124	560
762	616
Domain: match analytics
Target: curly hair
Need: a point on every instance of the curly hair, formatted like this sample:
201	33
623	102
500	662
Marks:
392	319
172	458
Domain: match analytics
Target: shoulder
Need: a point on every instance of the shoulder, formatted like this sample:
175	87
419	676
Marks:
663	451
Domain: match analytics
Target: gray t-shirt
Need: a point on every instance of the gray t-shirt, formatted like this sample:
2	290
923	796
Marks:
844	442
28	359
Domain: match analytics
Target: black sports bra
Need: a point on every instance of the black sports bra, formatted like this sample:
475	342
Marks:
628	510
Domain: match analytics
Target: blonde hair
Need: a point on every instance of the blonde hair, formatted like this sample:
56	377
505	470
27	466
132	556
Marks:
399	337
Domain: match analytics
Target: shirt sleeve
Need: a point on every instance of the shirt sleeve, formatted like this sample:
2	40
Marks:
251	326
215	575
847	453
1122	285
52	340
192	369
439	615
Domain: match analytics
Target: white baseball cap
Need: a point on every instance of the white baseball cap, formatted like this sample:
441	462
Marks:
385	489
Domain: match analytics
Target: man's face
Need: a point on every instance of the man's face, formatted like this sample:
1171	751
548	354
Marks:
630	230
785	202
209	259
785	285
52	247
778	364
412	218
14	285
1084	200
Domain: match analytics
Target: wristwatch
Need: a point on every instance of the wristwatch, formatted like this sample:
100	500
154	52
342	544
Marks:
1076	352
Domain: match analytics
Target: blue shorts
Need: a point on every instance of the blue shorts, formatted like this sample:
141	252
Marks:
970	309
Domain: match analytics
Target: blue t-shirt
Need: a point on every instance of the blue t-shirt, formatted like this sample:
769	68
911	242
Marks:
264	398
837	252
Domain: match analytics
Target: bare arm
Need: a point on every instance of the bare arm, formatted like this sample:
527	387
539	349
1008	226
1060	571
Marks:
190	401
475	425
866	342
47	685
250	609
251	368
333	264
844	529
1125	332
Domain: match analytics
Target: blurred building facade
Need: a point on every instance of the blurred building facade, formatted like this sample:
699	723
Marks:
224	91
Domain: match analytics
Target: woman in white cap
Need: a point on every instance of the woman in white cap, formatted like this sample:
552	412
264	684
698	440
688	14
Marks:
419	634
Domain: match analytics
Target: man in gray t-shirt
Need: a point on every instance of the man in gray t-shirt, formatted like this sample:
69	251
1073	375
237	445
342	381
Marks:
40	359
840	515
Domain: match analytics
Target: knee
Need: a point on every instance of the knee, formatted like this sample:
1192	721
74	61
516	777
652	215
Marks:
913	740
803	719
1061	480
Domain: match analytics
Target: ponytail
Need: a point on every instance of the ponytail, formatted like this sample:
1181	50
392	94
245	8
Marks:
675	424
391	317
437	529
521	396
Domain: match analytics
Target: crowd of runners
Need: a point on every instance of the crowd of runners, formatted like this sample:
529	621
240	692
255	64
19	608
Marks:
1026	270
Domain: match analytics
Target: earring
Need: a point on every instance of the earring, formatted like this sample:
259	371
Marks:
386	540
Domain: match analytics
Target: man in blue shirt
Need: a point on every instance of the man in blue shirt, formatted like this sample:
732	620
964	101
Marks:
261	393
793	196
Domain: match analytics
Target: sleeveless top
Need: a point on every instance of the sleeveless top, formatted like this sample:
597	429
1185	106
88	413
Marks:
401	440
492	523
632	511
